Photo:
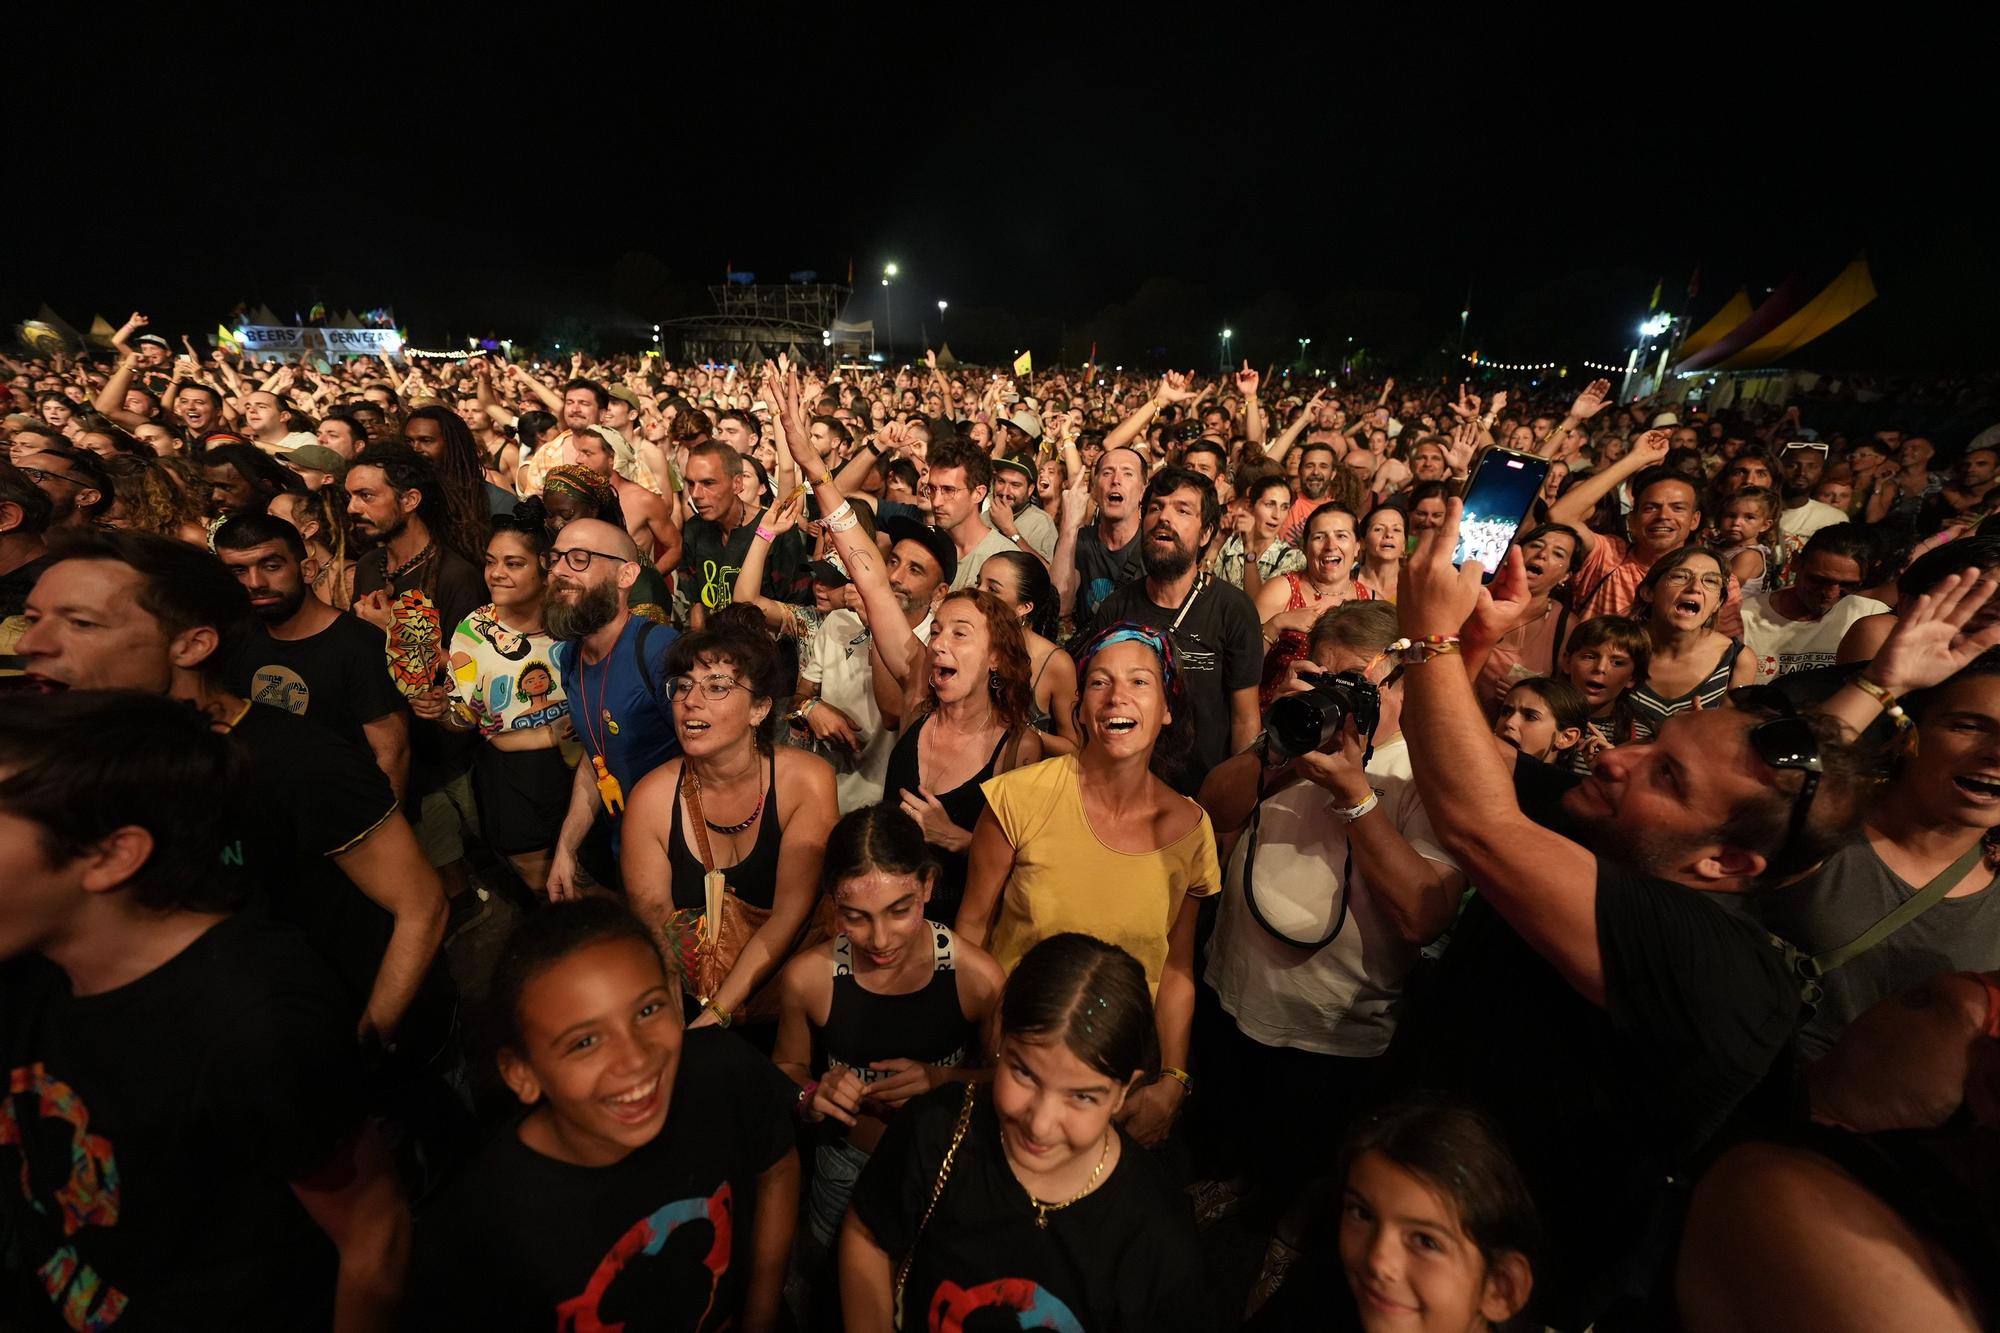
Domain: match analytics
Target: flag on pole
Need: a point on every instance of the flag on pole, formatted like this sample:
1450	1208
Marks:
1024	364
224	338
1654	304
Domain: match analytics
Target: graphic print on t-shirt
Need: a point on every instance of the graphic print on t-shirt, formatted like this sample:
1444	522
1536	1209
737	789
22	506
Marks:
1032	1307
88	1198
281	687
654	1281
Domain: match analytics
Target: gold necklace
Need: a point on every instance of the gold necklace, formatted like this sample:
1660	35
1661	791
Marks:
1042	1210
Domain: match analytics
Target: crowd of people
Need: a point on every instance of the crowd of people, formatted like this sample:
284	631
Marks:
959	841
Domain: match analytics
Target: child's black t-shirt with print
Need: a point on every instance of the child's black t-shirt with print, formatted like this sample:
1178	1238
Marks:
1123	1257
661	1240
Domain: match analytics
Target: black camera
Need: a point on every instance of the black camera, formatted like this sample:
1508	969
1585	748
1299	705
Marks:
1301	723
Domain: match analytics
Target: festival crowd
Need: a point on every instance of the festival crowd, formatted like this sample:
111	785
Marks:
954	843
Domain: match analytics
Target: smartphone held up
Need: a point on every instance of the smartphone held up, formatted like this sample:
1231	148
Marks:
1497	498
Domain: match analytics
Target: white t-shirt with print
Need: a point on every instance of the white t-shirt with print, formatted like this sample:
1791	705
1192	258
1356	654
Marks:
1783	646
839	663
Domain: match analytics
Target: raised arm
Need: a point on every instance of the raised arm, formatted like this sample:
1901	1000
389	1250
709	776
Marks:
1596	396
540	390
1247	381
1575	506
110	399
1928	645
1062	568
778	520
1174	388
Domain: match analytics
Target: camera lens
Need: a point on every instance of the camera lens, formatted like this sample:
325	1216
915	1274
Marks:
1301	723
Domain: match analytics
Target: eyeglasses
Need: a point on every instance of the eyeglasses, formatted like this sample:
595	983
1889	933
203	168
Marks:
1805	444
578	559
713	688
43	474
1784	740
1683	577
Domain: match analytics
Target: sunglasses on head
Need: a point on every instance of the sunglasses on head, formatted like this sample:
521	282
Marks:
1783	740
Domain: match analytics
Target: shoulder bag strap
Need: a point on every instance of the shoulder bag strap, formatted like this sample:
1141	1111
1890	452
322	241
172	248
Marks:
712	884
1809	969
937	1192
646	627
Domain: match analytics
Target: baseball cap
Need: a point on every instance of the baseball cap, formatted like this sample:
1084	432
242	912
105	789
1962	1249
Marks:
1021	463
154	339
625	396
829	571
317	458
901	529
1666	419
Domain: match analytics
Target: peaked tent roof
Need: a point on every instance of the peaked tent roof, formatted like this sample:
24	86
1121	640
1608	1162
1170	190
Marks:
1853	289
1720	325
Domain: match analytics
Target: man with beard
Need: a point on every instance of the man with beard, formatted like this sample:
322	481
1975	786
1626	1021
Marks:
304	656
1804	463
1093	560
612	664
415	588
1316	465
580	408
960	478
1212	625
1644	1002
1013	511
78	487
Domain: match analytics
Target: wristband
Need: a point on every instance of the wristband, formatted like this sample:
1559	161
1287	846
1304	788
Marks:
1348	814
1412	652
766	533
1180	1076
1887	699
722	1016
806	1095
843	519
823	479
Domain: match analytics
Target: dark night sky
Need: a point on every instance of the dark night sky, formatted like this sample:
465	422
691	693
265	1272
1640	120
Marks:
1289	183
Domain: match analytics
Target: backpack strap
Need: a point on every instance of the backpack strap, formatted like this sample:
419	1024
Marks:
646	626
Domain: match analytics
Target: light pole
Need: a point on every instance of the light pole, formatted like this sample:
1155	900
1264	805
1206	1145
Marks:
1226	336
941	309
889	333
1303	344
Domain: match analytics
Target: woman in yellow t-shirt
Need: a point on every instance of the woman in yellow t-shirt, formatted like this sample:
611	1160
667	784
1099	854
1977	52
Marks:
1095	842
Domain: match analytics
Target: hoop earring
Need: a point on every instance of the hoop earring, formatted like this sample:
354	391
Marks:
993	682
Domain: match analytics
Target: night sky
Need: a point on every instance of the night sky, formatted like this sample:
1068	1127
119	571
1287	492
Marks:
1137	188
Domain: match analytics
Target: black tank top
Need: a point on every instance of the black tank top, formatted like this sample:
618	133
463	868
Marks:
965	803
754	879
927	1026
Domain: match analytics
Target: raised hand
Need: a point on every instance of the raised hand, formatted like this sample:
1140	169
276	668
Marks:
1247	381
1651	447
1499	403
1464	442
1932	640
1596	396
1076	503
1176	387
783	516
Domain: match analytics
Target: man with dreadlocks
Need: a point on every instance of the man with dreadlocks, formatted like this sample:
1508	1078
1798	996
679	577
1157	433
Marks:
415	583
438	434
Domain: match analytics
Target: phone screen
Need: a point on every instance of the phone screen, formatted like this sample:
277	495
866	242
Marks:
1498	497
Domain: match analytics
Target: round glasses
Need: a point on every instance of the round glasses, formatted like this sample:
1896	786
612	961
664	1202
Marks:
577	558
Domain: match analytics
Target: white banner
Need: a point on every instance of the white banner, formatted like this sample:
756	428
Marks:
278	339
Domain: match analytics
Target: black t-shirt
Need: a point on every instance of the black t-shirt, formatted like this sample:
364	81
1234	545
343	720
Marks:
313	796
337	677
1123	1257
709	565
1220	648
662	1240
1602	1105
429	601
1101	570
16	584
162	1124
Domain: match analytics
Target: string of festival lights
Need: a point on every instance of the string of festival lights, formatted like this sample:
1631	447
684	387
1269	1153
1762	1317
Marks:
1474	359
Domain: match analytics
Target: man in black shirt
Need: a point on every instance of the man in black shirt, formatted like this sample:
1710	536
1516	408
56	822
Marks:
1610	1011
416	588
126	610
181	1144
1213	625
24	516
717	538
302	655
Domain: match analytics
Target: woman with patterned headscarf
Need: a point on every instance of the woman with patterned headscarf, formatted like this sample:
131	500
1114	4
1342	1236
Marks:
1098	842
572	491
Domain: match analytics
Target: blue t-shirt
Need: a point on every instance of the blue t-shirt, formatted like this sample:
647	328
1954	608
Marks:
616	715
